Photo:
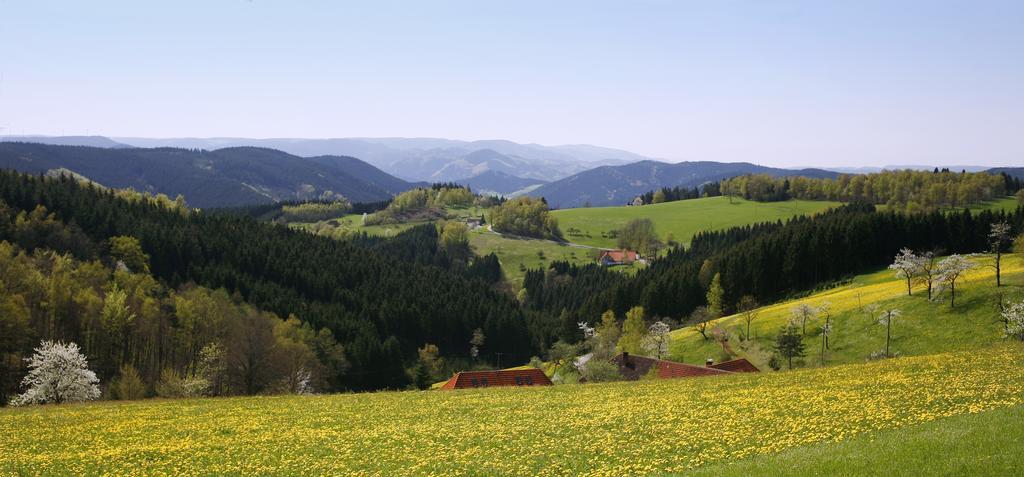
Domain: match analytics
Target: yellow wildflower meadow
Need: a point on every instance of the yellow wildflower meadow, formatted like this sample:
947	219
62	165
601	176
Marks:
635	428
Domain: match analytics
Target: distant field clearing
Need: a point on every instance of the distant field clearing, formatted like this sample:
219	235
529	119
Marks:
682	219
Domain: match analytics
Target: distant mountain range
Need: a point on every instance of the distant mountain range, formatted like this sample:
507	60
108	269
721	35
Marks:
223	177
429	159
411	159
214	172
499	183
616	185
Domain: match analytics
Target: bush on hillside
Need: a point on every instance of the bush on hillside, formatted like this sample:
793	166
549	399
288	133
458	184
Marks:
525	216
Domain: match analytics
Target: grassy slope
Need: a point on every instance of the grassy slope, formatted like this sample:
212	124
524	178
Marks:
682	218
513	253
983	444
631	428
516	253
925	327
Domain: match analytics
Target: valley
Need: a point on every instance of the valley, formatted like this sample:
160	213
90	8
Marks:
522	239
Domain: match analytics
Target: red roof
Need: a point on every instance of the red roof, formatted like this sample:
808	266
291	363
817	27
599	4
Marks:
739	365
620	255
505	377
633	367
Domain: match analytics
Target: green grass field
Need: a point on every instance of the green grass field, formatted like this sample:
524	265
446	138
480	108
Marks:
984	444
814	417
515	254
925	327
680	219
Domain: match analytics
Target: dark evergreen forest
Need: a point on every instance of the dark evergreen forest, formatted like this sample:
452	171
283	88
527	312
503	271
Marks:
382	300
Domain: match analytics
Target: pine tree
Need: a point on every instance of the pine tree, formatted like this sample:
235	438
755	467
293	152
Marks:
790	344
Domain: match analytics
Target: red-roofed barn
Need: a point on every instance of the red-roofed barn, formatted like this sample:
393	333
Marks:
505	377
633	367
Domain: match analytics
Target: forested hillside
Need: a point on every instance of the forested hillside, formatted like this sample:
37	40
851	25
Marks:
220	178
380	304
766	261
907	190
616	185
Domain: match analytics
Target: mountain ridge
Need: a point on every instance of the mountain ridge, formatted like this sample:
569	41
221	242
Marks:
219	178
616	185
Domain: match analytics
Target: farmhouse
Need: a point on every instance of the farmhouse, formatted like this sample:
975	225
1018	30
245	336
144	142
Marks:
474	223
505	377
633	367
608	258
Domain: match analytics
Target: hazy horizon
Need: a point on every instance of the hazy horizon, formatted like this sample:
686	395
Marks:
785	84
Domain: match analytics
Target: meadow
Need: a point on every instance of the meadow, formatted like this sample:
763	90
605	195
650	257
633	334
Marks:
627	428
679	220
924	327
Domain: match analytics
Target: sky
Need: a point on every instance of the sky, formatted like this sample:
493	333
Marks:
781	83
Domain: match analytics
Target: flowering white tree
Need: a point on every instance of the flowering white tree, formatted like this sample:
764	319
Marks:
58	373
1013	317
657	339
886	319
998	238
907	266
950	270
802	313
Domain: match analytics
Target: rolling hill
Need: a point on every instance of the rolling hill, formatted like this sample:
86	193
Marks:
219	178
925	327
92	141
616	185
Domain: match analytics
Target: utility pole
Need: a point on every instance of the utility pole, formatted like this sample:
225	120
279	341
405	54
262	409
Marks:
499	359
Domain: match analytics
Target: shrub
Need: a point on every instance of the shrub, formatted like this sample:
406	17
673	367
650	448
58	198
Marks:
128	386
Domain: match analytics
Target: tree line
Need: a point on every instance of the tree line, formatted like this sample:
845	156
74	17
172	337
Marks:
906	190
380	307
672	194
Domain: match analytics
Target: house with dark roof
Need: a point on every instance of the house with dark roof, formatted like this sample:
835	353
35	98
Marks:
504	377
608	258
633	367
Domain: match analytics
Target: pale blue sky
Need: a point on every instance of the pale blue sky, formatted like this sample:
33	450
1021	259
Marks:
774	82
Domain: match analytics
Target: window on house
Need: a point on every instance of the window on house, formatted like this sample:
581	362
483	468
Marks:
474	382
483	381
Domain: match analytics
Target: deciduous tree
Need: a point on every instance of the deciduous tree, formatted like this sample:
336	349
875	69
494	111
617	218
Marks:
907	266
951	269
886	319
1013	317
716	297
802	313
748	310
998	238
699	320
633	331
657	339
58	373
